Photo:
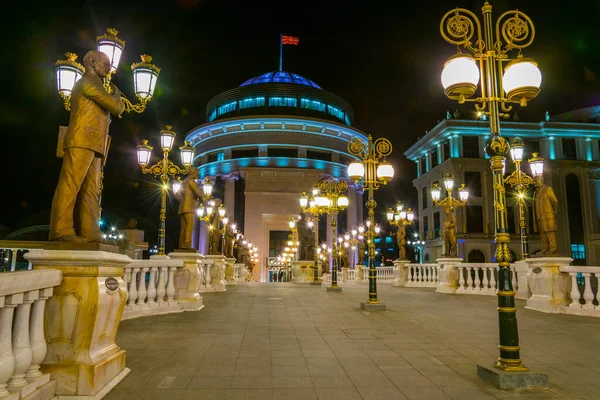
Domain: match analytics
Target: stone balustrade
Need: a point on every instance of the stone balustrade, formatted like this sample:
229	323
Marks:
151	288
422	275
481	278
584	301
23	346
385	274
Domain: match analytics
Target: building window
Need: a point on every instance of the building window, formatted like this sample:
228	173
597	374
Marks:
277	242
312	105
423	165
473	183
474	219
578	251
436	224
319	155
336	112
214	157
426	227
471	146
424	197
254	102
446	150
213	115
476	256
434	158
343	160
244	153
282	152
569	149
531	146
225	108
282	102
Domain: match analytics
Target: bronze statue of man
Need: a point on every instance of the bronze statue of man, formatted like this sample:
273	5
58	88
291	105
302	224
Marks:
362	247
450	233
401	241
189	195
229	236
214	233
85	145
306	239
545	205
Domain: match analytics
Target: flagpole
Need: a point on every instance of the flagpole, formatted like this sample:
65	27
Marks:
280	52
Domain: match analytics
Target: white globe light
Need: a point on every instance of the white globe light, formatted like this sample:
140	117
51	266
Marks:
343	202
356	170
522	79
460	77
385	171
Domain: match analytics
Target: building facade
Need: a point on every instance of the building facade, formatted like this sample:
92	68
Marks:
570	144
266	142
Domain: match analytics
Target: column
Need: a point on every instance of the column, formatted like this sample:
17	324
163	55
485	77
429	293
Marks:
202	245
440	156
418	162
360	205
329	238
195	234
427	161
229	195
352	217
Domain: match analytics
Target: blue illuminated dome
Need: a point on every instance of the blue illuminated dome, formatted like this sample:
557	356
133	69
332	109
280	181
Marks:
281	77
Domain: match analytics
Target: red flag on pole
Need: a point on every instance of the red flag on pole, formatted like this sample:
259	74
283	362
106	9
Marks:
290	40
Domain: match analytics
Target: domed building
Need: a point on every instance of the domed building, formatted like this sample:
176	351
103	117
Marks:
265	142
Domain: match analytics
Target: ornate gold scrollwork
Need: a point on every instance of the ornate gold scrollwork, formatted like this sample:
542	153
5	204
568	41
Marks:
458	27
516	28
357	147
383	147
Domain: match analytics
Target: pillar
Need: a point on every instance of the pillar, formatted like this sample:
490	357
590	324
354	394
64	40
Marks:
229	195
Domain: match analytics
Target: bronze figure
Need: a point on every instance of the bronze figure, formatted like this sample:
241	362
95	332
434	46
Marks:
229	236
545	205
188	195
214	231
306	237
450	233
362	248
401	241
85	145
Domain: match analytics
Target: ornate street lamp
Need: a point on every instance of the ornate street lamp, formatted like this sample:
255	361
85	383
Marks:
450	203
400	218
520	83
520	181
309	205
162	169
371	171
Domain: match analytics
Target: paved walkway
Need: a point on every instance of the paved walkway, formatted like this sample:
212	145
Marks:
282	341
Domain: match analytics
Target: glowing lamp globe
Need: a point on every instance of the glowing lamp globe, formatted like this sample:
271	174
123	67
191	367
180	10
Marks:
221	211
460	77
225	220
322	201
385	172
234	226
145	75
304	200
292	223
209	209
112	46
522	79
200	212
207	186
67	73
343	202
399	206
176	186
187	154
402	214
315	191
356	170
397	216
144	151
463	193
449	182
435	192
410	215
390	214
516	149
537	165
167	137
377	229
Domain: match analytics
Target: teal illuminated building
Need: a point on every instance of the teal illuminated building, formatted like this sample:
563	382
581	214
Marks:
570	144
265	142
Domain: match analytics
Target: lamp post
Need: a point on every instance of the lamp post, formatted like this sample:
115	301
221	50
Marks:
331	200
520	181
372	171
418	245
145	75
309	205
449	204
163	169
519	84
354	239
400	218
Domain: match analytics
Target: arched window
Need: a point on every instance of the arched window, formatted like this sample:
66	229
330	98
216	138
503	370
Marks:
426	258
476	256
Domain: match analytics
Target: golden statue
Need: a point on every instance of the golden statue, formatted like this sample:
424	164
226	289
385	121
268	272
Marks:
545	205
362	247
229	238
188	195
450	233
401	241
85	146
345	263
214	231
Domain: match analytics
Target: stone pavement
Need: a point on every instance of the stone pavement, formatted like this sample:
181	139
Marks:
284	341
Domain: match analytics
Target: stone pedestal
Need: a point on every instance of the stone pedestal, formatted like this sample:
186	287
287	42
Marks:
549	287
229	271
514	379
188	279
448	278
521	269
400	272
301	271
368	307
217	272
361	273
82	319
238	272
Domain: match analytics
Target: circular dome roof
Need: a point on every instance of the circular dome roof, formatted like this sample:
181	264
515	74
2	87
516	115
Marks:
281	77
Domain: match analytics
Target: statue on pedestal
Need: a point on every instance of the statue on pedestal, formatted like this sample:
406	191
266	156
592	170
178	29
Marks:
345	263
362	247
85	146
545	205
188	195
401	241
306	237
229	236
214	231
450	233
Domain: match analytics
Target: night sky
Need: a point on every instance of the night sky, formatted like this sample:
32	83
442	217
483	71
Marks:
383	57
